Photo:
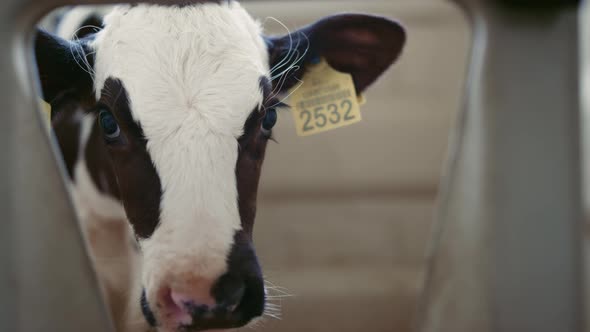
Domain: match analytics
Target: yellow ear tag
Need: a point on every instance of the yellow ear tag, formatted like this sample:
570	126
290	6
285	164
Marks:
326	100
46	111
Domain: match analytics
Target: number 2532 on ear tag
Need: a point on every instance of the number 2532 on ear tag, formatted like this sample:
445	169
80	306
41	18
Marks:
325	100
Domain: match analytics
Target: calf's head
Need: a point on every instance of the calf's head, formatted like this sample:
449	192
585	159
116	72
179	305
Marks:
185	99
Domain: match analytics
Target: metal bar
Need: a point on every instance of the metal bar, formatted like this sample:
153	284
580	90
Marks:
507	247
46	280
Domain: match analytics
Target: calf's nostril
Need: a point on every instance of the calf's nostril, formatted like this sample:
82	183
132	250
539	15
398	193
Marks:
199	311
180	300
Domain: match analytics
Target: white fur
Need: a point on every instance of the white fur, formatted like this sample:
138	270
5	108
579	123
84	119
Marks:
192	77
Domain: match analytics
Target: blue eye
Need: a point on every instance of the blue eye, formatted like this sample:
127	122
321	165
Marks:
270	119
109	125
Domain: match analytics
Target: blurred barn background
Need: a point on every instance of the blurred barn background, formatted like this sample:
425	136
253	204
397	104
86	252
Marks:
344	216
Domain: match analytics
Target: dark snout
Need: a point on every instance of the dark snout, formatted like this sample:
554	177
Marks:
234	299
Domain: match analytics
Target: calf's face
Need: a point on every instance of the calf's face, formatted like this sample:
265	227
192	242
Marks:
185	99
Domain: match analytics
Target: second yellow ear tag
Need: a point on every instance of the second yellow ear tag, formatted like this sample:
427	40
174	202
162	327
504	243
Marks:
46	111
325	100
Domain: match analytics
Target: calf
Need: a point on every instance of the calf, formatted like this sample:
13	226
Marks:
163	117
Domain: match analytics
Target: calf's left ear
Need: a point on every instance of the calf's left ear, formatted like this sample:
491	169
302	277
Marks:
361	45
63	65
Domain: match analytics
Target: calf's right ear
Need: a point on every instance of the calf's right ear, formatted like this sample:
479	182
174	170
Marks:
362	45
63	65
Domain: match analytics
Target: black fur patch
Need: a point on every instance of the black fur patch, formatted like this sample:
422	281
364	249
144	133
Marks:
60	63
139	186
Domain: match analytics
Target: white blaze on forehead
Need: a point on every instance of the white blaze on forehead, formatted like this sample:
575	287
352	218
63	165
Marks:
192	77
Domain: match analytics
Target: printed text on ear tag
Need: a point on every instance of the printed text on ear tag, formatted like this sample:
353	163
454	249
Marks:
325	100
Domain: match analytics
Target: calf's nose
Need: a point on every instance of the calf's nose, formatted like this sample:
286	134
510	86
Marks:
200	304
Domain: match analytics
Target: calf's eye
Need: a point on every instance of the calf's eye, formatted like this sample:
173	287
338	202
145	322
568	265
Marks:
110	128
269	121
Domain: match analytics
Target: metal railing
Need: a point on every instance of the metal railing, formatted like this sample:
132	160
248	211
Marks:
507	252
46	280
